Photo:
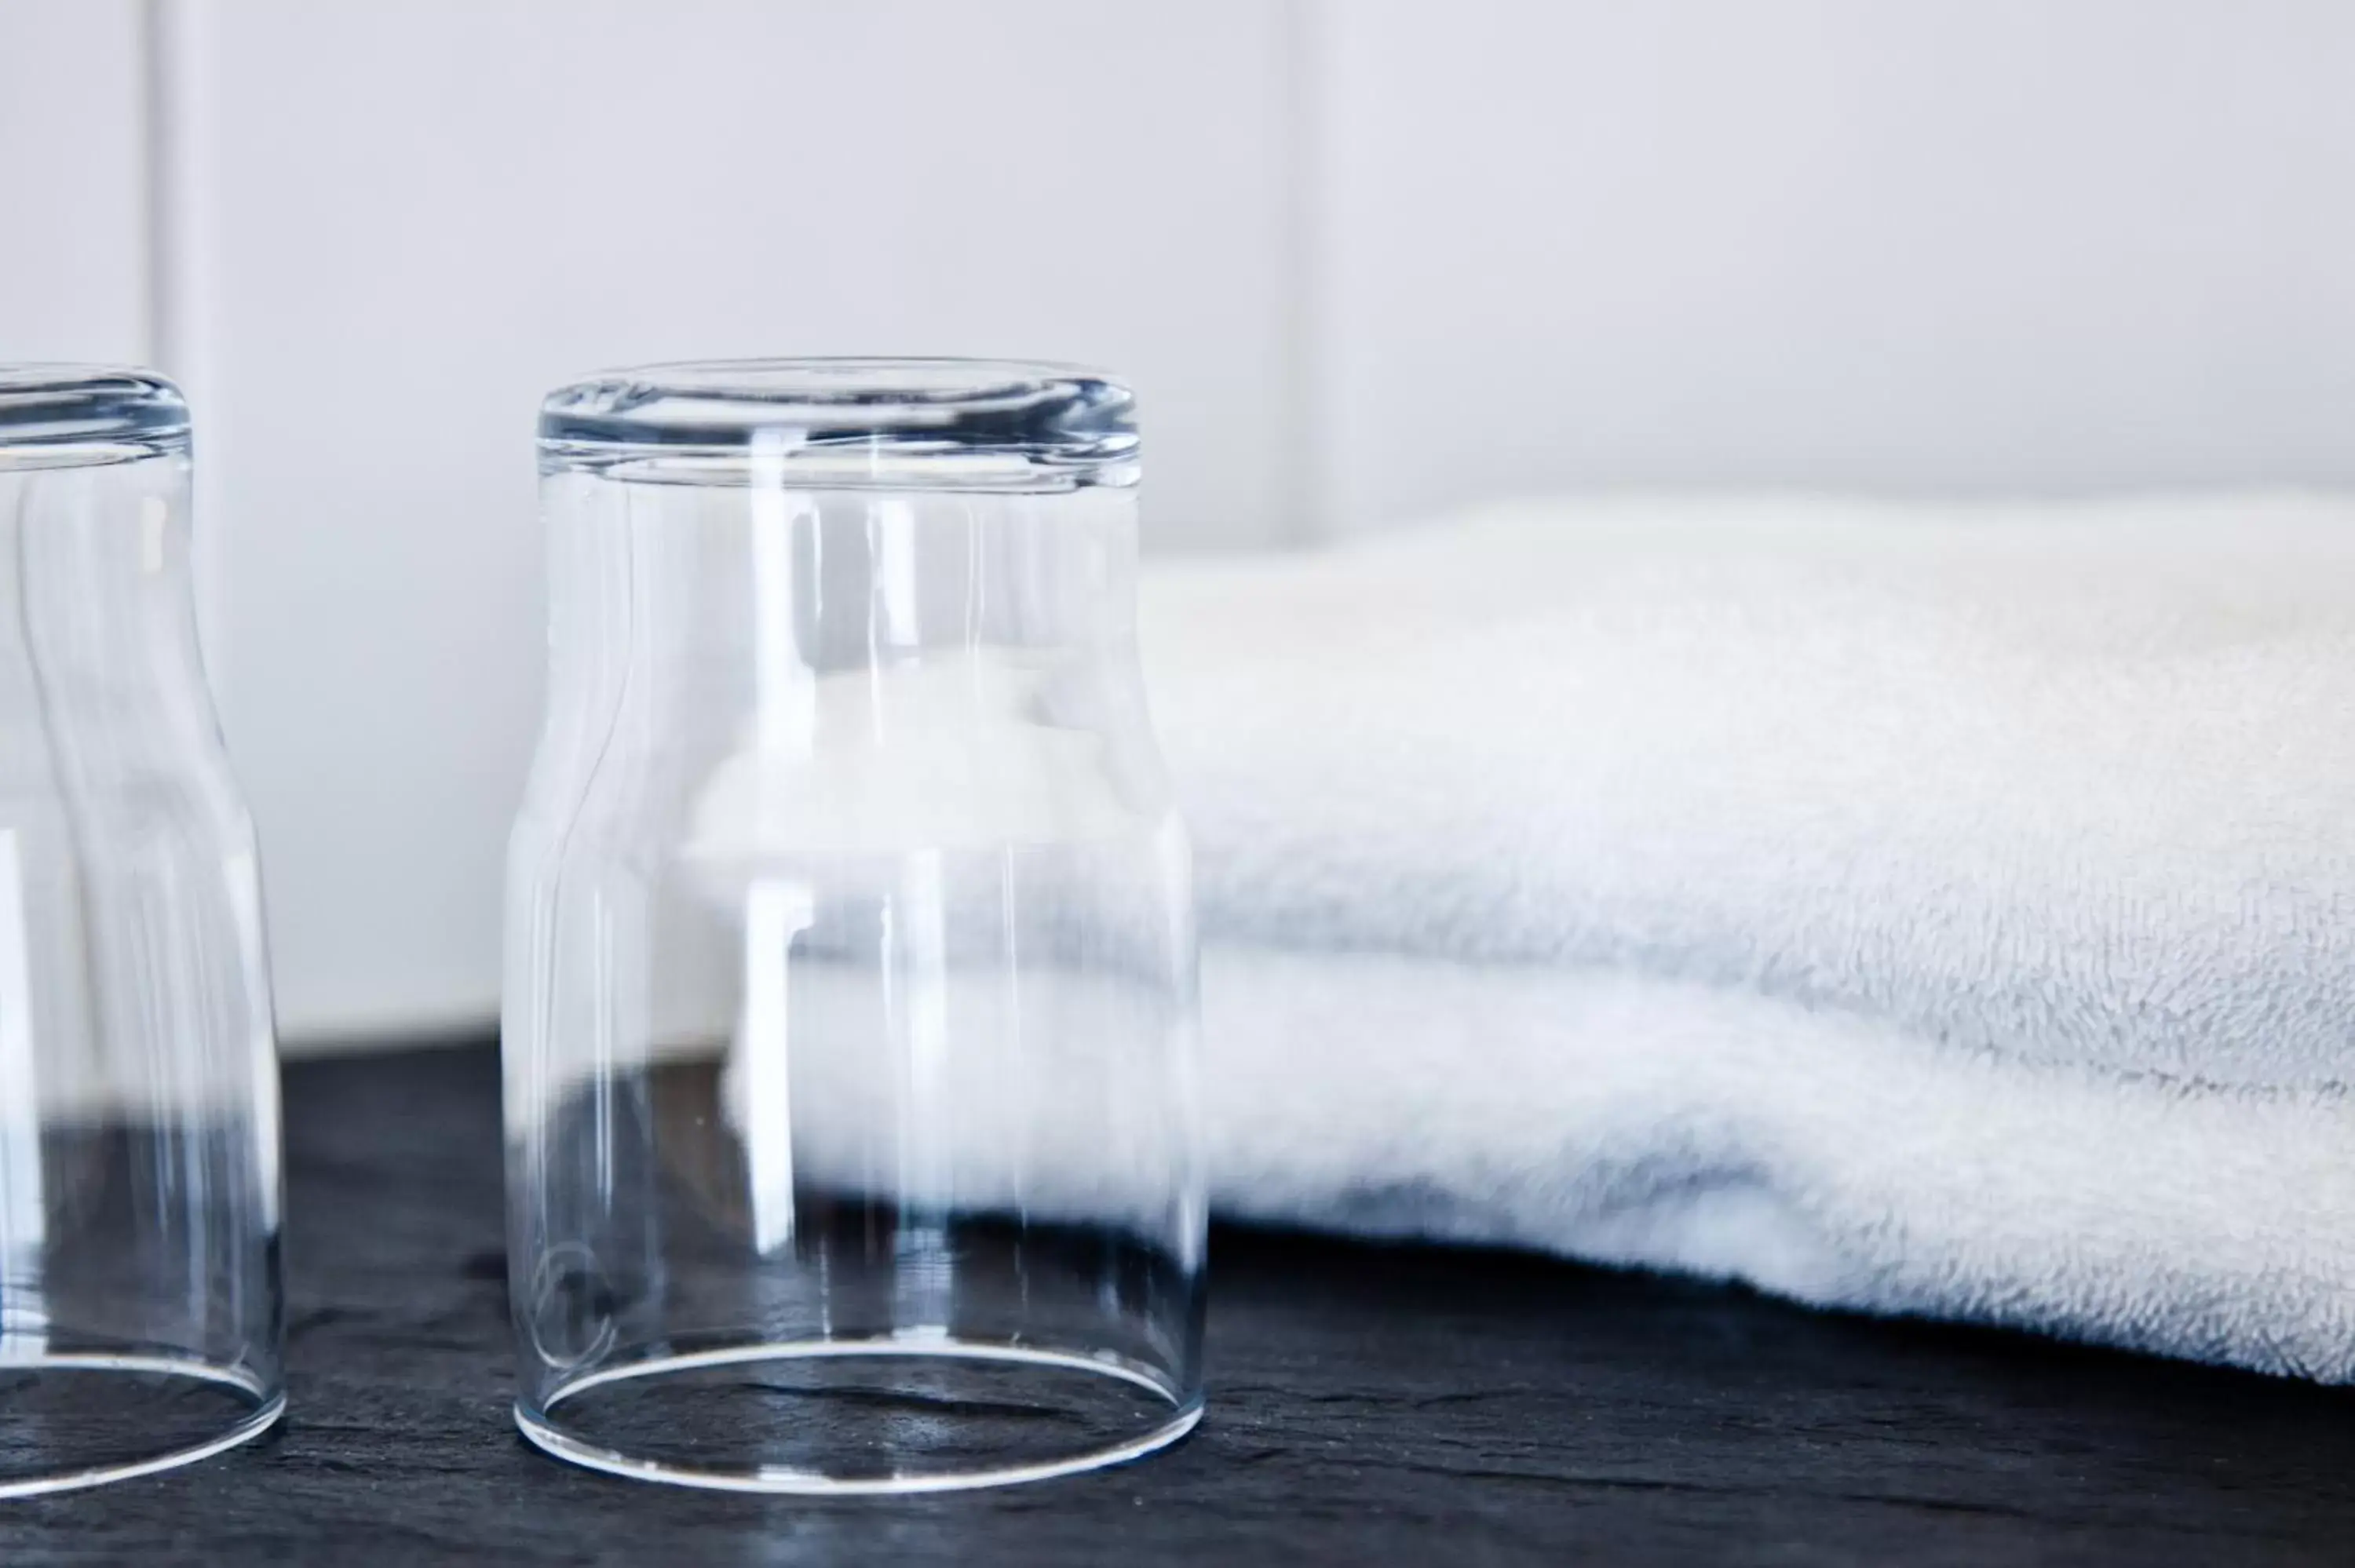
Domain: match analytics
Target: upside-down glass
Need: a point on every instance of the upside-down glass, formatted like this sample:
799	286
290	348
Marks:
850	999
139	1313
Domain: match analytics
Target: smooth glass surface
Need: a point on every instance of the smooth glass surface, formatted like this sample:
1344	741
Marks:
850	987
140	1311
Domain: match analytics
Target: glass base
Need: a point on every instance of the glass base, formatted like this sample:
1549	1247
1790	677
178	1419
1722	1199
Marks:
844	1417
70	1421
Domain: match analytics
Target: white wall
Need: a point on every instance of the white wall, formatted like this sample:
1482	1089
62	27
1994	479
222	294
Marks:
1364	258
73	218
1975	244
420	217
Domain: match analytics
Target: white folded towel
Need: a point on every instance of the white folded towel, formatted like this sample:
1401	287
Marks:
1942	909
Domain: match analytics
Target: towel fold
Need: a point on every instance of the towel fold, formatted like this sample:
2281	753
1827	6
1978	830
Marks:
1941	910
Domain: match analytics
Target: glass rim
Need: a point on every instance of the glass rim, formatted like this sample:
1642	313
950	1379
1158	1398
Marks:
264	1397
63	413
927	422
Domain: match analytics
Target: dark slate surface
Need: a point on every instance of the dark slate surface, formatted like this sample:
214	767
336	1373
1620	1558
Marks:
1367	1406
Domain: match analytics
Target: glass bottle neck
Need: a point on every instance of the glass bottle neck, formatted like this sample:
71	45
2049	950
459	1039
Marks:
848	670
98	645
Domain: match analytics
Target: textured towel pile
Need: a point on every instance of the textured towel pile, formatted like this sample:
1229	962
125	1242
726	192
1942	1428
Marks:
1925	909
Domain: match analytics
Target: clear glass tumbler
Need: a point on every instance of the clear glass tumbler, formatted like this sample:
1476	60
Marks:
850	1000
139	1313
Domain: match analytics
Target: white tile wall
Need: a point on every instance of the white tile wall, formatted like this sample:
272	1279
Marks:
1364	258
73	232
422	216
1946	245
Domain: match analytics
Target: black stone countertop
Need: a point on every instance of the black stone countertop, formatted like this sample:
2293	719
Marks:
1367	1406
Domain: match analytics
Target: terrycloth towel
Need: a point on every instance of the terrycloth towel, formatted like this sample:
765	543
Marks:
1938	910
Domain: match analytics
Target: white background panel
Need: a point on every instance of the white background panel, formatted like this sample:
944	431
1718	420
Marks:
73	234
1958	245
414	219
